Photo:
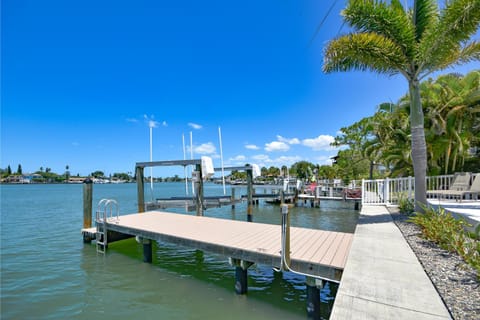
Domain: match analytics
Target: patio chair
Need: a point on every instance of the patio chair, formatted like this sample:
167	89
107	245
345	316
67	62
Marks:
461	182
474	190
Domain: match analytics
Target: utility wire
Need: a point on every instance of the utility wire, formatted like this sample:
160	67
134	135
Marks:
322	22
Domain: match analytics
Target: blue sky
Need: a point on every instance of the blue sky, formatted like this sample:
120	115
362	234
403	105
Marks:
82	79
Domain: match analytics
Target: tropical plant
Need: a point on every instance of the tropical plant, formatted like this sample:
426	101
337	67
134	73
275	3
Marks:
414	42
452	106
302	169
449	233
406	205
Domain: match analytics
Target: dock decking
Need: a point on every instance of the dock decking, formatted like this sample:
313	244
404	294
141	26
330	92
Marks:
319	253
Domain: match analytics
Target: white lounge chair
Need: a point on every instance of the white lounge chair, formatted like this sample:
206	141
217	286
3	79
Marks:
461	184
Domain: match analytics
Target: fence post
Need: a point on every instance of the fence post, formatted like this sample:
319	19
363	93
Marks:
386	195
363	192
409	188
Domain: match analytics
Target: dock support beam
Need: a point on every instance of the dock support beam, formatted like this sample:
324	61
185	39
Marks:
313	299
241	275
87	207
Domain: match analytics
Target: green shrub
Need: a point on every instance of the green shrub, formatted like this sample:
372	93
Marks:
449	233
406	205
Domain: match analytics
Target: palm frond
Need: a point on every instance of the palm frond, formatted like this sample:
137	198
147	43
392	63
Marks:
392	22
364	51
425	15
441	44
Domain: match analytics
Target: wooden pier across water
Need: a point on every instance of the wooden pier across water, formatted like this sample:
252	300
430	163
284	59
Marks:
321	254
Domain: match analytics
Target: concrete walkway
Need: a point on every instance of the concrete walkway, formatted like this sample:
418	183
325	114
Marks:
383	278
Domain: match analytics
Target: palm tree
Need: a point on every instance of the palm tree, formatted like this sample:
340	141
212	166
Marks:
390	39
460	107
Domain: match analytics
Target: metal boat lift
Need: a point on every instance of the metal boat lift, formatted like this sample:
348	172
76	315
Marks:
198	200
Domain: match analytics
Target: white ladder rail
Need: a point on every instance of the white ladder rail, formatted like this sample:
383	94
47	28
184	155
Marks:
104	213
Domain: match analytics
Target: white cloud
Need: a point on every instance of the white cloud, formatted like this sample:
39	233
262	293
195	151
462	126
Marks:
262	157
276	146
264	160
322	142
165	124
205	148
239	158
324	160
289	141
252	147
287	160
195	125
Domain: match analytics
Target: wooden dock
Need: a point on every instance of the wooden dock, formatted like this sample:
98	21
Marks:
316	254
321	254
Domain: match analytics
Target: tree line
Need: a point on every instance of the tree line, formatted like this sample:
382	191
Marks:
451	104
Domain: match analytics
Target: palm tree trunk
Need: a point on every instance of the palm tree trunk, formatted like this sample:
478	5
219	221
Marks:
459	147
419	146
447	155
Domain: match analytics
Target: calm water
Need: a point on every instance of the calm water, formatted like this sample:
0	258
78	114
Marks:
48	273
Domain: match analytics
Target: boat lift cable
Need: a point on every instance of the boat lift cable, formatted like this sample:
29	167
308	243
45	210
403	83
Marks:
284	261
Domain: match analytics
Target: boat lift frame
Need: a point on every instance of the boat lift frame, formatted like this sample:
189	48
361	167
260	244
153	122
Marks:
197	178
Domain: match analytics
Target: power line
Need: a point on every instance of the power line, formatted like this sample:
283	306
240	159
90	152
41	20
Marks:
322	22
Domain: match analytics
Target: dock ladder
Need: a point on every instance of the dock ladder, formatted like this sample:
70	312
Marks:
107	211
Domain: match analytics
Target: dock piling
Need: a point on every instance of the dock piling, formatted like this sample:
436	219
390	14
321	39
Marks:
241	275
241	286
87	207
147	249
249	193
313	299
197	178
140	189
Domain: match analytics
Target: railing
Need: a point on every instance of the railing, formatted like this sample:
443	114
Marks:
387	191
333	188
391	191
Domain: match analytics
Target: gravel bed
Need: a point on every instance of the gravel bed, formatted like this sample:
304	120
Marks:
456	282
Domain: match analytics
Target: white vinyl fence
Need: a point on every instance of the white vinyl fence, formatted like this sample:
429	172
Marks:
390	191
